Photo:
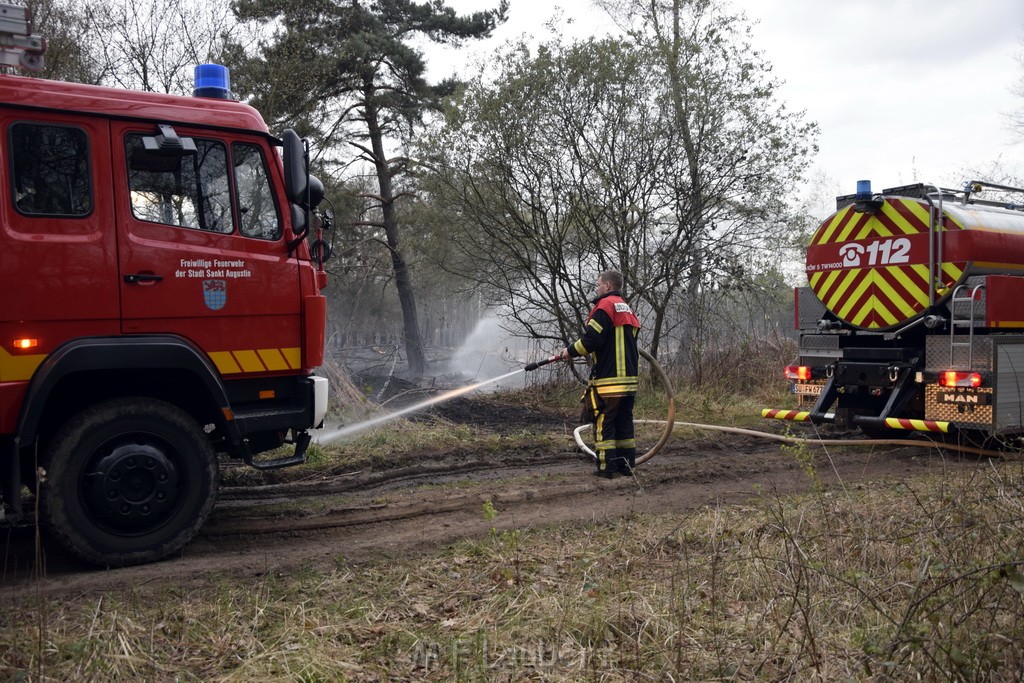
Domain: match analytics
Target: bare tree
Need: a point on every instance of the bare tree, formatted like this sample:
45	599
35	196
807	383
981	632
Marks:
153	45
666	156
70	54
150	45
1016	117
550	178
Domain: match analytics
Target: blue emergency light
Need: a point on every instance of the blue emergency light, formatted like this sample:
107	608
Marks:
863	189
212	80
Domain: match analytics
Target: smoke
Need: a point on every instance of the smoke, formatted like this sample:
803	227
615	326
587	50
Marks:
491	351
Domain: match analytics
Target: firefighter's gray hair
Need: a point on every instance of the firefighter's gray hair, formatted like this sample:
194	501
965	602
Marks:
613	278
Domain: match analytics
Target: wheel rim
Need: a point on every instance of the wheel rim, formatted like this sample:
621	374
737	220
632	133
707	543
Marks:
131	486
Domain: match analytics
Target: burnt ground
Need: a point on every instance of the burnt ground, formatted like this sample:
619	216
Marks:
418	502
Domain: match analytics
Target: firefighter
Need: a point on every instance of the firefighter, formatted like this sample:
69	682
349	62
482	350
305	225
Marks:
610	338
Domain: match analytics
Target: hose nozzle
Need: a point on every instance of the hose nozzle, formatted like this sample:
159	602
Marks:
530	367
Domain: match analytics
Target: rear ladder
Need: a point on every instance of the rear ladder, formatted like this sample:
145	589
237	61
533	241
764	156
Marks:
969	323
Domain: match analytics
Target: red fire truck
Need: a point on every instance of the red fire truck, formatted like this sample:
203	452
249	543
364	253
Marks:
162	308
914	314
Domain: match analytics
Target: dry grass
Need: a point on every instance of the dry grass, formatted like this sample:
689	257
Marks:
893	581
345	397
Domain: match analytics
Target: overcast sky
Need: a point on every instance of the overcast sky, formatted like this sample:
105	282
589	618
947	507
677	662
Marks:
903	90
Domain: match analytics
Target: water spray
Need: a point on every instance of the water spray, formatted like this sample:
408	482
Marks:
440	398
351	430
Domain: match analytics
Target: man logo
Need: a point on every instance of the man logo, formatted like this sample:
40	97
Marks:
215	294
964	398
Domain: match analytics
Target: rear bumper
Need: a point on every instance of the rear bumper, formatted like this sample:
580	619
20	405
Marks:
302	406
793	415
916	425
265	428
907	424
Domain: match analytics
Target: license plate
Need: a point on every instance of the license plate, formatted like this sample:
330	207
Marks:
808	389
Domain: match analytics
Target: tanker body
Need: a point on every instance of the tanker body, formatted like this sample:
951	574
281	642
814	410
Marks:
913	317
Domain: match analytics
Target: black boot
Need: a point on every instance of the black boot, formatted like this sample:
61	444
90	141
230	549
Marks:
626	461
606	465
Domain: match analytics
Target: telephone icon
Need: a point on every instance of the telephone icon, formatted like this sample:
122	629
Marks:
851	254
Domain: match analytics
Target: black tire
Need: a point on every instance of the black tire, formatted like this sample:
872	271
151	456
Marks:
128	481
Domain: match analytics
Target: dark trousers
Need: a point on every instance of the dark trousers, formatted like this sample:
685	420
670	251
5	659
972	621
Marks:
613	433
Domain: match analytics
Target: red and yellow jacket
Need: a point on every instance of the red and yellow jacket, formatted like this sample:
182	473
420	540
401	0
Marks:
610	335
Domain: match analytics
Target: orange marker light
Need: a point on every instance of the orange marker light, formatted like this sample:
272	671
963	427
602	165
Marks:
267	393
798	372
952	378
25	344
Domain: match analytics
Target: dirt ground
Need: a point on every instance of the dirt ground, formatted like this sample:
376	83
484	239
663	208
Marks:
424	500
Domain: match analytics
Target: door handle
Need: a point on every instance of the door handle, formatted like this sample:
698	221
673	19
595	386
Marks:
142	277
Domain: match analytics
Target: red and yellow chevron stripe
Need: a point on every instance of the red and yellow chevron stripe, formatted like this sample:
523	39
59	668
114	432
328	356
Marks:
916	425
795	415
871	270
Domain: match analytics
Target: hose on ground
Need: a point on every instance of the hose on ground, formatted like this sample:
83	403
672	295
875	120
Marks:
666	434
577	435
669	423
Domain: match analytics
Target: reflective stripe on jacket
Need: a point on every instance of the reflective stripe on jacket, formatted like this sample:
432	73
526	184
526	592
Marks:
610	335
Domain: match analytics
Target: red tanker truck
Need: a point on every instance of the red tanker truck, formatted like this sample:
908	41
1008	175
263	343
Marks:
913	317
161	307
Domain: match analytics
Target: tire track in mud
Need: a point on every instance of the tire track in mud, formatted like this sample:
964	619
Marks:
360	516
575	467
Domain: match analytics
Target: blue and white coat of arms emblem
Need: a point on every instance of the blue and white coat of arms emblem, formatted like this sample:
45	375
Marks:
215	294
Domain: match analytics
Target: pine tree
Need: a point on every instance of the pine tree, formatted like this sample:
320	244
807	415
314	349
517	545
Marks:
332	63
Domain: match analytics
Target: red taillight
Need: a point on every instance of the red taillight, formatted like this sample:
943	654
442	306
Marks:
798	372
952	378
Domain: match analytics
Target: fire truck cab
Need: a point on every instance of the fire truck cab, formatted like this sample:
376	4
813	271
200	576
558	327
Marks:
160	305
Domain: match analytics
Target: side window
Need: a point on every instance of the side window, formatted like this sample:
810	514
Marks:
187	190
50	170
256	207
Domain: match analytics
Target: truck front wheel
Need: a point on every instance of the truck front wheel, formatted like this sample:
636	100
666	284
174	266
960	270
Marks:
128	481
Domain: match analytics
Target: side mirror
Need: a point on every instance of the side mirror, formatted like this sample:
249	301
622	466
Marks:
296	176
305	191
316	192
299	185
300	220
